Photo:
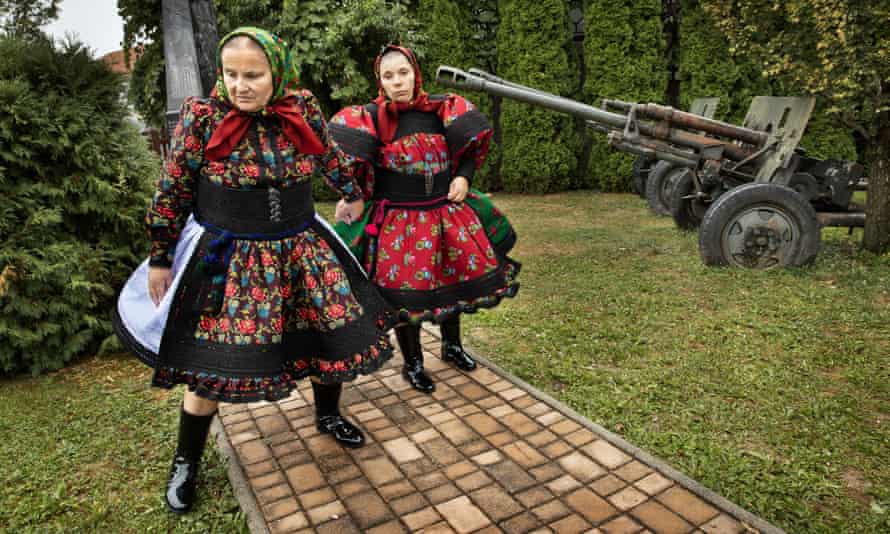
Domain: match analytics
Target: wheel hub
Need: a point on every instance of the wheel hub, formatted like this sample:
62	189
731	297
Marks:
759	238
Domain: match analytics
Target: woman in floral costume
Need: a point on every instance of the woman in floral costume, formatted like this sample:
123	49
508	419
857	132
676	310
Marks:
247	290
434	247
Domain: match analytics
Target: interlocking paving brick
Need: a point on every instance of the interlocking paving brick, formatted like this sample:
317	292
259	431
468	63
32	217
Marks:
607	485
474	447
466	410
501	410
268	480
627	498
654	483
430	480
402	450
352	487
314	499
633	471
485	376
443	493
521	524
512	393
496	503
550	418
393	527
524	454
305	477
395	490
551	511
368	509
490	402
422	518
483	423
488	458
546	472
572	524
243	436
580	437
534	496
563	484
253	452
510	475
581	467
327	512
442	451
280	508
539	439
442	417
463	515
520	403
621	525
500	438
286	448
459	469
400	413
261	468
272	424
606	454
723	524
692	508
425	435
289	523
473	481
590	505
409	503
441	527
457	432
655	516
472	391
323	445
380	470
270	495
500	385
340	526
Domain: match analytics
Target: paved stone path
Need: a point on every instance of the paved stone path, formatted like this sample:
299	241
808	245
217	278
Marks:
485	453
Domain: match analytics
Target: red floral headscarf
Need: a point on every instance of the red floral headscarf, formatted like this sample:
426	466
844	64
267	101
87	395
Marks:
387	110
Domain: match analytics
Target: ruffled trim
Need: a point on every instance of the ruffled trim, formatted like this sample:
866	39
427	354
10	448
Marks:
278	387
444	313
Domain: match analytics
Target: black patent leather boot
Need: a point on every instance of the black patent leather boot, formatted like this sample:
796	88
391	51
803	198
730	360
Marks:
182	484
328	419
408	337
452	350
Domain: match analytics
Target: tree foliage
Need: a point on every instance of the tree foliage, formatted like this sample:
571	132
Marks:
838	50
624	56
74	184
539	146
23	18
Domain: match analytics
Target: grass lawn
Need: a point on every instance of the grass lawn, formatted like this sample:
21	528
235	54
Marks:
772	388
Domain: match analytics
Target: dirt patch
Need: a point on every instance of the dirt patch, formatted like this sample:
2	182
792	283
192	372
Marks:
856	486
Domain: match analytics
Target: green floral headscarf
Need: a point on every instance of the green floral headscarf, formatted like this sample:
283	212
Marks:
284	72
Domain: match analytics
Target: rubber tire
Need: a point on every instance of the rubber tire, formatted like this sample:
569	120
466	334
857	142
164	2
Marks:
654	184
641	169
682	209
779	197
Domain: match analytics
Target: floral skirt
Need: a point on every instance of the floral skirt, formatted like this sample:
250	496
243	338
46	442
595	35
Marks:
435	262
279	311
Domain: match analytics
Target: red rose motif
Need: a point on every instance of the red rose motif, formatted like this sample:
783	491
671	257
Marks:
258	294
331	277
277	325
192	143
250	262
217	167
281	143
266	258
231	289
173	169
224	324
252	170
246	326
336	311
313	315
200	109
166	213
310	282
306	167
285	291
207	324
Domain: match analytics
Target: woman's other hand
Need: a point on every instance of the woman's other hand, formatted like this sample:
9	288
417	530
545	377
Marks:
457	192
349	212
159	281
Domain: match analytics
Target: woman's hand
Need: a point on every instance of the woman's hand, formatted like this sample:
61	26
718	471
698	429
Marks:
457	192
349	212
159	280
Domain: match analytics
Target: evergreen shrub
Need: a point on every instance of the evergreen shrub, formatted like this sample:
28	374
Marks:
75	179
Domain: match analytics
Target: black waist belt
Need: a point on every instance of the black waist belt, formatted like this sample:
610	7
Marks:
254	211
398	187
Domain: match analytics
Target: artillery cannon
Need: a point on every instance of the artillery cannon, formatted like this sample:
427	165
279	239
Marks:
754	192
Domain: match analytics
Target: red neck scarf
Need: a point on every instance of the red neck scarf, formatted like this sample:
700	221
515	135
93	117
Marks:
236	122
387	110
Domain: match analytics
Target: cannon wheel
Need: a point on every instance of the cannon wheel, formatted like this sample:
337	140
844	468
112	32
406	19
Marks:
660	186
759	226
641	169
687	212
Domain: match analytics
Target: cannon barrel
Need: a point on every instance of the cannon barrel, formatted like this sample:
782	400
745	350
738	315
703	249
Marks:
459	79
181	56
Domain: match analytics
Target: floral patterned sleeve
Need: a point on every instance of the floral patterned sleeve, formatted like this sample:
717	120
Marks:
172	202
337	167
353	129
467	132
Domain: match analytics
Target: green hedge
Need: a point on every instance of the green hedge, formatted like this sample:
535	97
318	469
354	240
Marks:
624	54
540	146
75	179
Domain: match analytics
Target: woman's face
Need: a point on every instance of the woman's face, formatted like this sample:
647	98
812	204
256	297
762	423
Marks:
397	77
247	74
